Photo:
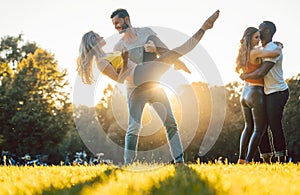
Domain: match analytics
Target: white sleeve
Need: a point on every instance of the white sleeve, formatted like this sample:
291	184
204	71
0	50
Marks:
149	31
271	47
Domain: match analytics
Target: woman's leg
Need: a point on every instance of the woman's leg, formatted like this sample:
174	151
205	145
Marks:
248	118
257	100
190	44
152	71
246	134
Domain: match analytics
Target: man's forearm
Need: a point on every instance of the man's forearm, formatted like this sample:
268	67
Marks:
260	72
254	75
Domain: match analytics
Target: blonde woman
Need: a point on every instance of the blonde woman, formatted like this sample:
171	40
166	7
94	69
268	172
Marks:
252	99
117	66
114	64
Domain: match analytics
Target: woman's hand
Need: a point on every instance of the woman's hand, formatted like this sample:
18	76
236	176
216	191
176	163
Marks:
122	75
125	57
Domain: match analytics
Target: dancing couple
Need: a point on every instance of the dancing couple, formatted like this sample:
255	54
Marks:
135	61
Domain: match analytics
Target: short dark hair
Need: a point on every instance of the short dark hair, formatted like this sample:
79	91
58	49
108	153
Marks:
271	26
121	13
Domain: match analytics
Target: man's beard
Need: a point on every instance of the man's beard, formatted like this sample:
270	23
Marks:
124	27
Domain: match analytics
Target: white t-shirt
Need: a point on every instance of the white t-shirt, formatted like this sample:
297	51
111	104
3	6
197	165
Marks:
273	80
136	48
135	51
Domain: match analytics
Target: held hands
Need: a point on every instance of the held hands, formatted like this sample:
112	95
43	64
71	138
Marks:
150	47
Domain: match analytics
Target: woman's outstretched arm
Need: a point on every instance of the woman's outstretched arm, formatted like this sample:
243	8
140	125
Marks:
190	44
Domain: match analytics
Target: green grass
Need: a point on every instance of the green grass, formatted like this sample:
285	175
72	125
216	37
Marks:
153	179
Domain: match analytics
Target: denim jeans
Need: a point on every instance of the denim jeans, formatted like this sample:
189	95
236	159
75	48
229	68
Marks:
136	102
275	103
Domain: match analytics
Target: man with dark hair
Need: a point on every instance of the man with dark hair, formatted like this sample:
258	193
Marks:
121	13
277	94
143	45
153	45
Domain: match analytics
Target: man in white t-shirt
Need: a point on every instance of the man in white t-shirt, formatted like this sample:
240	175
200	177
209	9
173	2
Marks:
277	94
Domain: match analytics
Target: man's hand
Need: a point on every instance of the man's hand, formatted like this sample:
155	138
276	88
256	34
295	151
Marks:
279	44
150	47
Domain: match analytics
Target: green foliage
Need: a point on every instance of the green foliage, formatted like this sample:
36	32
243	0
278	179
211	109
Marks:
35	108
13	50
227	144
291	118
185	181
36	115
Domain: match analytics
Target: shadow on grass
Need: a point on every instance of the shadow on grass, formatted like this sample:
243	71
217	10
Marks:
76	189
185	181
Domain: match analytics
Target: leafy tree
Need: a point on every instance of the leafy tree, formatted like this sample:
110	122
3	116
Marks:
291	119
35	108
13	50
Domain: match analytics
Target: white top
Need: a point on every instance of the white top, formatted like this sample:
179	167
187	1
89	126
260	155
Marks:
136	48
273	80
135	52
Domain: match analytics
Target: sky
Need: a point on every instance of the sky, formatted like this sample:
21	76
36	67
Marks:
58	25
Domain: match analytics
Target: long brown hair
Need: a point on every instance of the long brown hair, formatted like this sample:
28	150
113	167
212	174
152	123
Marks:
244	50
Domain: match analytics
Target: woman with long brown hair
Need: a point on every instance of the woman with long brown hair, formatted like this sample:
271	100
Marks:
252	99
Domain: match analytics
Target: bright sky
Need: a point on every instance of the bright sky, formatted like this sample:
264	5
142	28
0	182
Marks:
58	25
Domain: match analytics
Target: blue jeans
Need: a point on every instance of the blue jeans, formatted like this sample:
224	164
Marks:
136	102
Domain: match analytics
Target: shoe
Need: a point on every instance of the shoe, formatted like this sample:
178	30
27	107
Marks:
241	161
179	65
281	159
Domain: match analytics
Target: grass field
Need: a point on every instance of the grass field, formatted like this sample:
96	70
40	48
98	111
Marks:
152	179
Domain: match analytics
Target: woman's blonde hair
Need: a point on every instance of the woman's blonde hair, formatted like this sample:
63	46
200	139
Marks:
244	50
89	48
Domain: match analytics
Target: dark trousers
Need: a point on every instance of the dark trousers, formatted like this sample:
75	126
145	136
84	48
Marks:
275	103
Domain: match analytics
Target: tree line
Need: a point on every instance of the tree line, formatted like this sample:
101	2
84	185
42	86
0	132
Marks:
37	116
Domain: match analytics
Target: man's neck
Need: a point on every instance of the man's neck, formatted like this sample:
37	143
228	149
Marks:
265	42
129	34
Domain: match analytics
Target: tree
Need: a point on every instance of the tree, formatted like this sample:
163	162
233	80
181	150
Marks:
35	109
291	119
13	50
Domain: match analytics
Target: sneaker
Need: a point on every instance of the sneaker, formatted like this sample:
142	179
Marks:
179	65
